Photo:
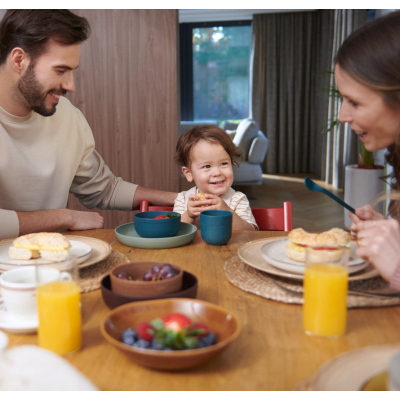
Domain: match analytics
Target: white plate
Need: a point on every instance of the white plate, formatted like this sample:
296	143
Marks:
250	254
79	249
15	325
351	370
274	253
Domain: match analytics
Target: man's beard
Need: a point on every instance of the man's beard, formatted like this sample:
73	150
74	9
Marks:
33	93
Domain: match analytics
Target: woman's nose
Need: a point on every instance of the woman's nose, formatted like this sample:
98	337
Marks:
344	114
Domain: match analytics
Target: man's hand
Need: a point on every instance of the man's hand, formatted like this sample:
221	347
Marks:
53	220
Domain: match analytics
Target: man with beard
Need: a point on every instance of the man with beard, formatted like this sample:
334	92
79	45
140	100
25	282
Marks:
46	145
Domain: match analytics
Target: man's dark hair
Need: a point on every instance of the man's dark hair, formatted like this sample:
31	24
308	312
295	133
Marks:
32	29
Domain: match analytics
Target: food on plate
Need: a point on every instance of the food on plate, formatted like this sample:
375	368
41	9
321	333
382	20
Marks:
169	215
172	332
326	242
156	273
49	245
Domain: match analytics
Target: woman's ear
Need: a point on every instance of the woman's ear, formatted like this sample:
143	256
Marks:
187	173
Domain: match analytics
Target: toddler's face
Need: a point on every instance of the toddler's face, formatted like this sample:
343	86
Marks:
211	168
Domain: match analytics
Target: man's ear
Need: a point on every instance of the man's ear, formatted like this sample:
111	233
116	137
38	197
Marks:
187	173
19	60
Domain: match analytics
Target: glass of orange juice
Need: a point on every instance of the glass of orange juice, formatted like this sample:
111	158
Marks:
59	307
325	291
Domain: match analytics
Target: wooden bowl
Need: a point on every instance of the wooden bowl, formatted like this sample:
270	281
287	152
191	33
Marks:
140	288
113	300
220	321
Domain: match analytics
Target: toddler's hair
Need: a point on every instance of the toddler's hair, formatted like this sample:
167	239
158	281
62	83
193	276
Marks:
209	133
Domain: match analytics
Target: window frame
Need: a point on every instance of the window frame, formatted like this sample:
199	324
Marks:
186	61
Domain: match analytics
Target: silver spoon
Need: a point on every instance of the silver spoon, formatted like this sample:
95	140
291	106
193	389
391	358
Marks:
316	188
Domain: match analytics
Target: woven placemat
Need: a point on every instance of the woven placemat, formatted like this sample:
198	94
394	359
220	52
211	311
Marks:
262	284
91	276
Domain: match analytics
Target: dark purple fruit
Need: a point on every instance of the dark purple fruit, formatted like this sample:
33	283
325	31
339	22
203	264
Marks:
122	275
149	276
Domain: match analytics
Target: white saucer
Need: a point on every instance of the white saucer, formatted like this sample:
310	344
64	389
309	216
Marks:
274	253
80	250
11	324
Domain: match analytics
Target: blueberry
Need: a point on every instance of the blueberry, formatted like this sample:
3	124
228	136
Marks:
206	341
129	336
142	344
155	345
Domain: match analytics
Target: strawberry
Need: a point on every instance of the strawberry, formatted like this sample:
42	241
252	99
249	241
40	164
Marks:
145	331
200	329
160	217
176	322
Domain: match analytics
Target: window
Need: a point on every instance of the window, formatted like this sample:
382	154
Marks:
215	64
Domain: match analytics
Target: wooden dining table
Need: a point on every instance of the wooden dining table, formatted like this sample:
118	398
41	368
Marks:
272	351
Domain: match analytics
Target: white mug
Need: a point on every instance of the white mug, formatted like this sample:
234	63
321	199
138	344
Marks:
18	288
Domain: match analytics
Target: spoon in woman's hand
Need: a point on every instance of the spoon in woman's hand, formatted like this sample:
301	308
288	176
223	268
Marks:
316	188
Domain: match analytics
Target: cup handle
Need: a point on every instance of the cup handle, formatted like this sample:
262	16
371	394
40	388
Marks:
65	276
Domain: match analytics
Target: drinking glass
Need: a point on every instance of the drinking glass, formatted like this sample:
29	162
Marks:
325	291
59	307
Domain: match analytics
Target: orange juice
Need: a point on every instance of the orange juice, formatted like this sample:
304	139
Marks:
60	323
325	293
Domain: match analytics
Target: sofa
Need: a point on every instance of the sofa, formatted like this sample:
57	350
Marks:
253	144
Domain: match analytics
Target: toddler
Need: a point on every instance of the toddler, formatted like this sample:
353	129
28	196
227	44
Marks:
207	154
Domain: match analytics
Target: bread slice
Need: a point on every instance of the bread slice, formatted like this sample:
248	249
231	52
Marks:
299	240
49	245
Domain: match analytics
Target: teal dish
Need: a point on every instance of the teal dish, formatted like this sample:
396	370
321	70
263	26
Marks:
148	226
127	235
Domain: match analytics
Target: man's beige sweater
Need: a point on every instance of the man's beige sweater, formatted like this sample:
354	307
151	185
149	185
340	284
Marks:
42	159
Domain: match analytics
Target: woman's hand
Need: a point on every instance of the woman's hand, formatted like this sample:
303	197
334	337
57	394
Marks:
364	213
379	243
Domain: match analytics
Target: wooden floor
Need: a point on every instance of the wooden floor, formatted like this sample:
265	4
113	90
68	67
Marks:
312	211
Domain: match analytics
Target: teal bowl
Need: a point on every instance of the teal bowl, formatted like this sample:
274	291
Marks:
148	226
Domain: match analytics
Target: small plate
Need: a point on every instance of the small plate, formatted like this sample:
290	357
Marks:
88	250
127	234
250	254
79	249
11	324
274	253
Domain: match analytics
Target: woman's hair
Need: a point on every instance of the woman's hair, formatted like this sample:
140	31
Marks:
32	29
371	56
209	133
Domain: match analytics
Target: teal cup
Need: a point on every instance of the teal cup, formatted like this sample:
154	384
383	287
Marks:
216	226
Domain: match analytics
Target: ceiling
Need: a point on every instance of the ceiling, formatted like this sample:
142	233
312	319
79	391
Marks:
202	15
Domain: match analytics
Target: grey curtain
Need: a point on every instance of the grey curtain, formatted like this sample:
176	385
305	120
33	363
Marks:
291	54
342	146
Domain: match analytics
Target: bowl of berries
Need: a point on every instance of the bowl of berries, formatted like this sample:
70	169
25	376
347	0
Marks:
146	278
170	334
157	224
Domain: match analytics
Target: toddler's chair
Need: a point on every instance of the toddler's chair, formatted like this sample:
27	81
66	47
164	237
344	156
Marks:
268	219
274	219
145	206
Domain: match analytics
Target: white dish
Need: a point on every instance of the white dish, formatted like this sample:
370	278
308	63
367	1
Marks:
352	370
274	253
250	254
14	325
80	250
3	341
